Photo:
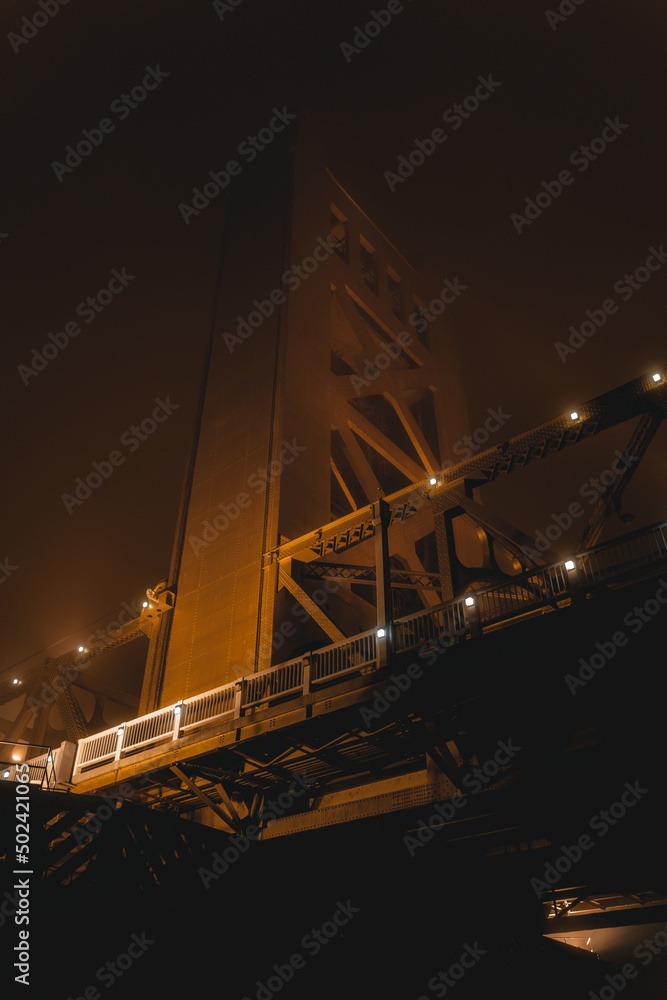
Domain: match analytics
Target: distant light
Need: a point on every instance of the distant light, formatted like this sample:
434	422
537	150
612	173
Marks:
469	602
381	632
569	564
81	649
177	709
121	730
657	377
574	415
15	681
145	604
433	481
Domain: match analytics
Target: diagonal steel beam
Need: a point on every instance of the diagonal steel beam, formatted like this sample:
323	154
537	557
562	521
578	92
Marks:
360	464
383	445
635	451
414	431
634	398
229	826
306	602
343	485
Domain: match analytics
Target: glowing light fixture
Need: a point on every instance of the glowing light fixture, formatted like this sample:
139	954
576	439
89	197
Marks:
381	632
81	649
574	415
569	564
433	481
121	730
145	604
15	681
469	602
16	756
657	377
177	709
6	774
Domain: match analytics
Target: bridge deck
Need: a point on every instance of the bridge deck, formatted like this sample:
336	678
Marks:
347	673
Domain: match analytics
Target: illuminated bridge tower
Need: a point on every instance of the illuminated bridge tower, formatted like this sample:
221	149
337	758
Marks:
329	539
330	550
325	391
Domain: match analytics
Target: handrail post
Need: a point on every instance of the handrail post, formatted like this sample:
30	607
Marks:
306	675
573	579
472	615
176	729
381	519
238	697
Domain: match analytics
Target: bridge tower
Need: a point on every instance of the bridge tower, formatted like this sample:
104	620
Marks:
326	389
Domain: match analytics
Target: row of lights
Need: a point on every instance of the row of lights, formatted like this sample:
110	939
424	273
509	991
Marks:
655	377
177	711
469	601
569	565
433	481
82	649
381	633
15	756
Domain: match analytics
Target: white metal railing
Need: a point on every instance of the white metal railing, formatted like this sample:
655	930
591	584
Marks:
207	707
433	623
345	656
98	747
288	679
543	586
148	728
41	770
625	554
285	678
457	619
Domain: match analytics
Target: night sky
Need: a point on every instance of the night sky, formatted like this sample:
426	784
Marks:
218	76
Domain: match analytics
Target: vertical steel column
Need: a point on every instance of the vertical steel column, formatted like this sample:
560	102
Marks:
448	564
381	518
573	578
157	631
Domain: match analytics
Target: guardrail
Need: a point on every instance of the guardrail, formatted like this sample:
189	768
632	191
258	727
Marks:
344	657
285	680
433	623
41	770
458	619
620	556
